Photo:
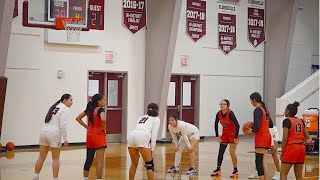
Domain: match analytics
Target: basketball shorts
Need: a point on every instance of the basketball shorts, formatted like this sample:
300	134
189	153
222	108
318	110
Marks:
228	137
274	135
195	135
95	140
294	154
263	140
50	139
138	138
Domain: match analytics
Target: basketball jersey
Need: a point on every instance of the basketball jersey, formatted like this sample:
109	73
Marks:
296	131
58	122
226	122
264	124
97	126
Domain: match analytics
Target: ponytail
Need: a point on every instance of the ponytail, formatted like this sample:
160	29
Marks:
265	108
50	112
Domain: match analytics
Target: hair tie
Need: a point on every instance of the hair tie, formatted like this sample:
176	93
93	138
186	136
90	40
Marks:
150	109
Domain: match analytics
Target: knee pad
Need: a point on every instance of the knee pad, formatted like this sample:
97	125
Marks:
149	165
259	164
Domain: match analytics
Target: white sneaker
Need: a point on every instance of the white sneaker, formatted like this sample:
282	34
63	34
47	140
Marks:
276	176
254	175
35	177
192	171
173	169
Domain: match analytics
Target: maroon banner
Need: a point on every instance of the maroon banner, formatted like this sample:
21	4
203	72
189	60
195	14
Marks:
227	28
96	14
134	14
196	19
256	32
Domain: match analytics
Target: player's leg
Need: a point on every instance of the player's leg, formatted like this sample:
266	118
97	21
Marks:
88	163
285	168
42	157
55	161
232	149
134	155
298	171
147	157
100	161
194	142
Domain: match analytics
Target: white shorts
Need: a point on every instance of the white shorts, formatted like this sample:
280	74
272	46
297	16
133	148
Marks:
195	135
50	139
139	138
274	135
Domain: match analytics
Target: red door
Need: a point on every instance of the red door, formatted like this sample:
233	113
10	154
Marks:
181	98
114	103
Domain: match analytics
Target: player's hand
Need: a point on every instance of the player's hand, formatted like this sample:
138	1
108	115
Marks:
218	139
249	131
236	141
190	149
65	144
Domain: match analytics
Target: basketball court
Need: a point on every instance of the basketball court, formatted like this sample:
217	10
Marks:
185	55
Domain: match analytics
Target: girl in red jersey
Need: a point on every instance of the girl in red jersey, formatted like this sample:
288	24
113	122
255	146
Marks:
262	139
295	134
96	134
229	135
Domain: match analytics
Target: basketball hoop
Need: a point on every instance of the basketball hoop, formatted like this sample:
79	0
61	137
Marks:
73	27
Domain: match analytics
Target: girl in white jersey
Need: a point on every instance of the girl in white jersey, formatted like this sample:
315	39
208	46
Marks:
51	134
189	136
139	140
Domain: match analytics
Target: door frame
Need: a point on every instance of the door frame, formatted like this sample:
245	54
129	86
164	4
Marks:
124	116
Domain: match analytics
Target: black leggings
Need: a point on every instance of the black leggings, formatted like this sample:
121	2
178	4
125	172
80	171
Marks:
89	159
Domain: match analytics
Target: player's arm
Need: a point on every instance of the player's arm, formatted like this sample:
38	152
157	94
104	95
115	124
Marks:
155	129
216	122
305	132
102	116
80	121
286	126
173	135
235	122
257	116
185	135
63	126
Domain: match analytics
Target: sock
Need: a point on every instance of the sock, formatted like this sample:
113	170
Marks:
36	175
55	178
85	178
235	169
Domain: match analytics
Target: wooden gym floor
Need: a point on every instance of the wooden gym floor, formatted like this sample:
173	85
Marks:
19	165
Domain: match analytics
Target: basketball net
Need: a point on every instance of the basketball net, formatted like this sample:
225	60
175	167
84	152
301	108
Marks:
73	27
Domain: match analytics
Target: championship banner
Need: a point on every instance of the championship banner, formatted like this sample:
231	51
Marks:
227	36
196	19
134	14
256	29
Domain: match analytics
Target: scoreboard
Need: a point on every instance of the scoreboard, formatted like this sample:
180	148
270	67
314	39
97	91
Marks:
92	10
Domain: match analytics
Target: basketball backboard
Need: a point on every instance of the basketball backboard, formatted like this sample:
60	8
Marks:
42	13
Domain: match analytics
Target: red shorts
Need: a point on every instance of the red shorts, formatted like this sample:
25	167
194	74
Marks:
262	140
294	154
96	140
227	137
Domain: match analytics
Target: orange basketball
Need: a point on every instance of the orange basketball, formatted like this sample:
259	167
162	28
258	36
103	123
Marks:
246	126
10	146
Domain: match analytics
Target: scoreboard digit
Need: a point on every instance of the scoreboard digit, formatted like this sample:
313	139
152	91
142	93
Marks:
58	8
96	14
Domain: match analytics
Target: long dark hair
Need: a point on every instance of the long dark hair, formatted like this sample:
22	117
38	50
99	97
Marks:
256	96
174	116
49	114
153	110
293	108
92	105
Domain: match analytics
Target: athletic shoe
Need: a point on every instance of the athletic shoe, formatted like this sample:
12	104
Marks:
276	176
192	171
234	174
254	175
173	169
216	172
